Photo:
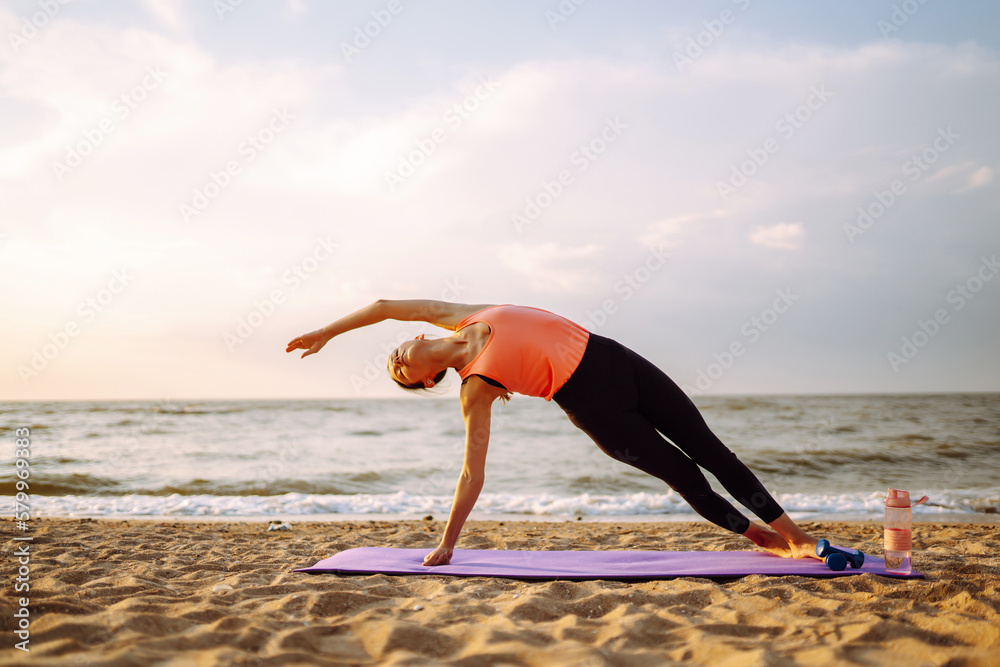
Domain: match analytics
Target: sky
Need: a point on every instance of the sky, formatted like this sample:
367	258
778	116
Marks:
760	197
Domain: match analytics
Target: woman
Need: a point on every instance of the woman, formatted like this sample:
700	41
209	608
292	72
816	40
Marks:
619	399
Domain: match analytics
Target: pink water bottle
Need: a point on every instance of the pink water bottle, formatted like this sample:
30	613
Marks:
898	546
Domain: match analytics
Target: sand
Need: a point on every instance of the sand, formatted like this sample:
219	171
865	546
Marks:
107	592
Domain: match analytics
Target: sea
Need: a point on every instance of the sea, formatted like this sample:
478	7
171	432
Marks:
822	457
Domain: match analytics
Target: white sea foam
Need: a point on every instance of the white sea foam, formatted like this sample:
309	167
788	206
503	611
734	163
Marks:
587	504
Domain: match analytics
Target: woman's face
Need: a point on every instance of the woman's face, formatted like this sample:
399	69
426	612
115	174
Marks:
408	365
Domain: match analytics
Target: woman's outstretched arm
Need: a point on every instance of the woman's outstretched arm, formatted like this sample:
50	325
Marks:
477	397
439	313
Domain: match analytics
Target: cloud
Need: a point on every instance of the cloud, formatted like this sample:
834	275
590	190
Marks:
979	178
670	232
553	268
298	6
967	174
783	236
168	12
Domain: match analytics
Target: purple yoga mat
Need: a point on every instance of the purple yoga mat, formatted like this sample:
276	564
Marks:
586	564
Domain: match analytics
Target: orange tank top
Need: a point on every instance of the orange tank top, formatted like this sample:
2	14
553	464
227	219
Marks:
529	351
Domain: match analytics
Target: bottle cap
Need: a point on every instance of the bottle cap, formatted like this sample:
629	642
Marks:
900	498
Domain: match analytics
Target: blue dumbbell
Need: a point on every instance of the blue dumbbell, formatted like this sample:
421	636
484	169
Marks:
836	562
837	559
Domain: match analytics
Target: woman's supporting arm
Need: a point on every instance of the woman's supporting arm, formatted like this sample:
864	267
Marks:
477	397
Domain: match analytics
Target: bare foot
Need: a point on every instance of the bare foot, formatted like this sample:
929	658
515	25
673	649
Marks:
800	543
768	540
804	549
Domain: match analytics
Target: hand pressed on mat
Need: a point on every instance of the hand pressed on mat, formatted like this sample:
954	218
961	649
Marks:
440	556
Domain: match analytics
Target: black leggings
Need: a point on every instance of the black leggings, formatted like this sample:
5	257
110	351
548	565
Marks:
625	403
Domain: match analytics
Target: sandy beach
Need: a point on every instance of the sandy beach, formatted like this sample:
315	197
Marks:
138	592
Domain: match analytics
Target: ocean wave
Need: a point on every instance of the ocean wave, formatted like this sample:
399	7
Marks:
74	483
900	454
